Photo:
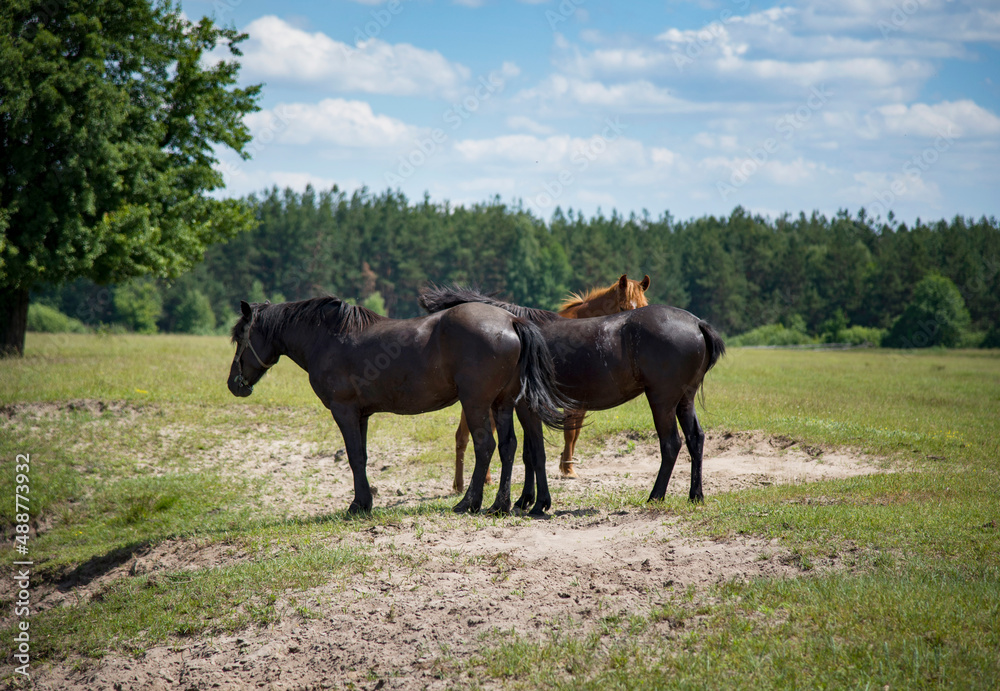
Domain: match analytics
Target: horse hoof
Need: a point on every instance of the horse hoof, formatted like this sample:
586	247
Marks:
568	472
524	502
356	509
540	508
465	507
498	511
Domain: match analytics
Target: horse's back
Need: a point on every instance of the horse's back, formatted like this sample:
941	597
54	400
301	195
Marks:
668	345
478	340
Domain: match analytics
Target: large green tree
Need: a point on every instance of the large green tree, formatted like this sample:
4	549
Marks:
110	112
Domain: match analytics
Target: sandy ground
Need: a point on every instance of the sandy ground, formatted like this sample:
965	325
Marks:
400	627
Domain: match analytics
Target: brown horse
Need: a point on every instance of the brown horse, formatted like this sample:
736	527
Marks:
662	352
360	363
622	295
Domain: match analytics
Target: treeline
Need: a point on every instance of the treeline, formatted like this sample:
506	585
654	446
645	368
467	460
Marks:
810	274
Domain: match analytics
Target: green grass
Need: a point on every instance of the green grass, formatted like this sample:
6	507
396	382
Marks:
132	613
913	632
124	433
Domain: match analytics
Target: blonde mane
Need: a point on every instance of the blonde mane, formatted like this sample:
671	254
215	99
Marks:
576	299
633	291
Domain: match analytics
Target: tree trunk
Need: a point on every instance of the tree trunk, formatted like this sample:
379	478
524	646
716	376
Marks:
13	321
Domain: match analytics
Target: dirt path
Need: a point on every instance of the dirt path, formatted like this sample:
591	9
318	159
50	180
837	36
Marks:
406	627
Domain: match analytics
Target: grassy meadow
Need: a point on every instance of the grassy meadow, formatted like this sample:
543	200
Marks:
122	432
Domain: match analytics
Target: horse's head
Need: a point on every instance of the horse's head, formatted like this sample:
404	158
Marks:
631	294
253	351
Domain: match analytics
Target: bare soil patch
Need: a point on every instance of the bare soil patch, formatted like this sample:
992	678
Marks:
301	480
441	585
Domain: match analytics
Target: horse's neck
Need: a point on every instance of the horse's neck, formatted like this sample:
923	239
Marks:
600	306
290	341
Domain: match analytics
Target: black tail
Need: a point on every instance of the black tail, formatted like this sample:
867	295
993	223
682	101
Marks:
715	349
538	377
714	343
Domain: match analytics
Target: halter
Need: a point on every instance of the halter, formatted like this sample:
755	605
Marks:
244	344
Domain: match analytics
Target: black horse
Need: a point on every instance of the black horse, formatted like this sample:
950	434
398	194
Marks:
603	362
360	363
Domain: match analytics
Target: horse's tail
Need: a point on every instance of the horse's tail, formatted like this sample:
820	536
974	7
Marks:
713	342
538	377
715	348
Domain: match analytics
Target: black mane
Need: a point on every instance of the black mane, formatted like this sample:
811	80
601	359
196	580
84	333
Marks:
332	313
437	298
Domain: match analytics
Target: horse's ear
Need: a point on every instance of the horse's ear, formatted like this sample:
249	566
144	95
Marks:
245	308
623	282
645	283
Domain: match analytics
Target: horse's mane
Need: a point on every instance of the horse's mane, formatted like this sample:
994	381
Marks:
337	316
632	290
438	298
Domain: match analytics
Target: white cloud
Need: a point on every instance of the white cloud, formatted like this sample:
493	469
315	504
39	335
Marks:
887	190
634	96
662	157
520	122
550	153
725	142
281	51
949	118
332	121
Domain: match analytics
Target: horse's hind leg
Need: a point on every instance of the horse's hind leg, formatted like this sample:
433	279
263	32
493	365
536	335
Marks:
665	420
574	420
534	464
461	444
694	437
478	418
503	416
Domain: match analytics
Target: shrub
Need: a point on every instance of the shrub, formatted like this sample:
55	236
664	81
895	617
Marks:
50	320
936	316
375	303
772	335
862	335
992	338
138	305
194	315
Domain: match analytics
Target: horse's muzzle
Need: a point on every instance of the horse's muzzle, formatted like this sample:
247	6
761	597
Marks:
238	386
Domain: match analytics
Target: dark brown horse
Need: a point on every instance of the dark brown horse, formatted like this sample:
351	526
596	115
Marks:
360	363
624	294
603	362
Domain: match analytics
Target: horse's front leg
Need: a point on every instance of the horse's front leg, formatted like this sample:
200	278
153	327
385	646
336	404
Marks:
482	441
354	428
504	418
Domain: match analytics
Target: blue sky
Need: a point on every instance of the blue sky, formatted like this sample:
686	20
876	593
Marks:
687	107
